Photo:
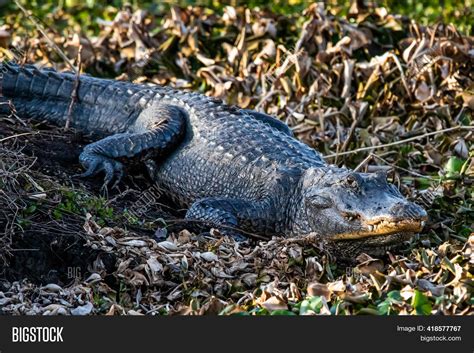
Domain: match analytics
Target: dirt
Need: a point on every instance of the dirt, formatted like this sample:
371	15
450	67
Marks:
47	250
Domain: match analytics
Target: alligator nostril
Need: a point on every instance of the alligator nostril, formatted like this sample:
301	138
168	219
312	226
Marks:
398	208
408	210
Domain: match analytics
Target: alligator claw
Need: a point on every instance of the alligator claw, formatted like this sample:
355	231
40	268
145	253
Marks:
96	163
118	175
113	171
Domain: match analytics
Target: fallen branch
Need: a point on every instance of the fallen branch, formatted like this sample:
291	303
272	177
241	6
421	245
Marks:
74	89
18	135
414	138
49	40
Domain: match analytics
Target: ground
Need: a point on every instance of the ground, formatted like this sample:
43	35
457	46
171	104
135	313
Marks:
343	84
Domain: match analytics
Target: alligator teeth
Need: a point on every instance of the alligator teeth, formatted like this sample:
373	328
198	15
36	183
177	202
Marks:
383	225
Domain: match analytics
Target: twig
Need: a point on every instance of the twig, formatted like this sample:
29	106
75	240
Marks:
18	135
173	221
364	162
266	97
74	89
13	113
391	165
402	74
414	138
349	136
401	168
50	42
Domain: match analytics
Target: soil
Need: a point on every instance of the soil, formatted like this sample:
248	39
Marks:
49	251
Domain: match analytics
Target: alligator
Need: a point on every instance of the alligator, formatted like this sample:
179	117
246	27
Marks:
240	171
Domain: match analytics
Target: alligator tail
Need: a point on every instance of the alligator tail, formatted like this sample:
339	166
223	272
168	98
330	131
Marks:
38	94
45	94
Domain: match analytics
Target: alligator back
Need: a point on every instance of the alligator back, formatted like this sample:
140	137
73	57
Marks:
225	151
229	153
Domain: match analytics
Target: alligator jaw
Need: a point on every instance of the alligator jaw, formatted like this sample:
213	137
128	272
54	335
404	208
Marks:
383	227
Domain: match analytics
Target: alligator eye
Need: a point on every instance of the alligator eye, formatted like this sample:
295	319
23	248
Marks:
351	181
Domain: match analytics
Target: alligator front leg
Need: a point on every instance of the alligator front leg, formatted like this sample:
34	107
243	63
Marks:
157	128
235	217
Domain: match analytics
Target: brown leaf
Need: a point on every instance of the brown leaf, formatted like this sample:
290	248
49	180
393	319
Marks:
274	303
319	289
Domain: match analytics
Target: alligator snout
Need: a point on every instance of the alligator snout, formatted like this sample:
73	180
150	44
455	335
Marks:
403	217
408	211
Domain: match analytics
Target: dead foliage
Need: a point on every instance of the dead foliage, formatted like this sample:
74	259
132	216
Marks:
371	91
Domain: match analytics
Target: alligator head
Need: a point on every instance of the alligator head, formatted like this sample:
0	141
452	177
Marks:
357	212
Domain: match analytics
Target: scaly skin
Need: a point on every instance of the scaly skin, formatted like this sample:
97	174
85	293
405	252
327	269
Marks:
239	170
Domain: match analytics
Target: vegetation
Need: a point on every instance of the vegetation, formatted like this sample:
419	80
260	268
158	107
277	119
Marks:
367	87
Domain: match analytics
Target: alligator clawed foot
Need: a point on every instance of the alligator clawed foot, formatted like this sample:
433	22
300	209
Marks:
113	171
95	164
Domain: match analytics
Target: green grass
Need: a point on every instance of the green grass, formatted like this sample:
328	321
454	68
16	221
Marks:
85	13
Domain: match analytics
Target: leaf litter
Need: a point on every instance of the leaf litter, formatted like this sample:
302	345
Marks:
341	83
